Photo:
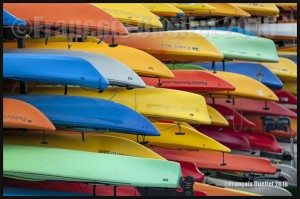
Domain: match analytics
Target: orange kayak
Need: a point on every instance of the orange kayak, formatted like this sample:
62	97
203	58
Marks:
277	132
191	81
212	160
172	46
19	114
76	17
219	191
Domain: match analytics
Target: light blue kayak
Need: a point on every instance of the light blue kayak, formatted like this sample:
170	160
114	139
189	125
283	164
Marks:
89	114
11	20
264	75
12	191
55	69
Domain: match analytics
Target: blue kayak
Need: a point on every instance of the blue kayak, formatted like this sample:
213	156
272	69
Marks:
267	77
11	20
55	69
89	114
12	191
231	29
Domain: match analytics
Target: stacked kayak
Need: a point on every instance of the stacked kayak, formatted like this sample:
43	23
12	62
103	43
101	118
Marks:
149	99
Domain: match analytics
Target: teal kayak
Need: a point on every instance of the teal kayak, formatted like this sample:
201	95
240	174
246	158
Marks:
239	46
43	163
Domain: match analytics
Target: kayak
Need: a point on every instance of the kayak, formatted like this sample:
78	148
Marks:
172	46
234	118
260	141
187	7
241	83
259	9
286	97
95	168
54	15
19	114
163	9
285	69
287	6
220	191
284	133
217	118
115	72
131	14
221	9
256	188
153	103
10	20
234	162
106	144
174	136
140	62
52	68
184	66
258	72
231	29
64	112
239	46
72	188
252	106
190	169
232	141
290	86
191	81
282	31
12	191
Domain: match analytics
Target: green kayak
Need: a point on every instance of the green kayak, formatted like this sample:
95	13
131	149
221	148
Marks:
241	47
41	163
182	66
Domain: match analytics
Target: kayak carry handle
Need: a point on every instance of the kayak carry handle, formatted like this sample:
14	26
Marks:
44	138
112	45
101	39
179	132
159	82
266	106
142	142
223	162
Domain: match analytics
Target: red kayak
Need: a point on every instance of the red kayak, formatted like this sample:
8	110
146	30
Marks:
214	160
287	100
232	116
231	140
286	97
191	81
255	107
190	169
75	187
261	141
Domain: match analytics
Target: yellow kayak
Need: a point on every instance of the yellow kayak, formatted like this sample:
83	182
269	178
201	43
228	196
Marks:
245	87
287	49
290	86
172	46
216	117
154	103
73	140
285	69
173	136
140	62
221	9
187	7
259	9
163	9
131	14
287	6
